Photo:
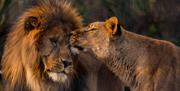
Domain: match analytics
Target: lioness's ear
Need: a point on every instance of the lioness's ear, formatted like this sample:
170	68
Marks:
31	23
111	24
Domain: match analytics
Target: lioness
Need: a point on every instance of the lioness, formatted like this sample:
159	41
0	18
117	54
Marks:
143	63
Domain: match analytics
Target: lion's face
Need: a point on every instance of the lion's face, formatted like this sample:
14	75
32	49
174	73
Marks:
96	36
53	49
36	53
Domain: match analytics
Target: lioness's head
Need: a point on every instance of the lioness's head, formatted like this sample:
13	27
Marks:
97	36
37	48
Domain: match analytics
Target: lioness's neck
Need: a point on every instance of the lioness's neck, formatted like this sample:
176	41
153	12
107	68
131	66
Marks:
123	57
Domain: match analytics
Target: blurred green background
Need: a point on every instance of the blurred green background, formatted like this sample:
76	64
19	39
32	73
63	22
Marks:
155	18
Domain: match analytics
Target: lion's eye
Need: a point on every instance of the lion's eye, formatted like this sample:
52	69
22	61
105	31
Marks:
54	41
45	27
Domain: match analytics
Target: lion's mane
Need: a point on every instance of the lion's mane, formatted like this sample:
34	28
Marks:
20	63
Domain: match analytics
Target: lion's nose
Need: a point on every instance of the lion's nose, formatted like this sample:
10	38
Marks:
66	62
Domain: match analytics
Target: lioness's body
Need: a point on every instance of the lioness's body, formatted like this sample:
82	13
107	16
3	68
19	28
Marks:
143	63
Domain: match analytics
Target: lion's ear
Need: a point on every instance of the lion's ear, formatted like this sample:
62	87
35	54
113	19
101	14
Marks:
31	23
111	24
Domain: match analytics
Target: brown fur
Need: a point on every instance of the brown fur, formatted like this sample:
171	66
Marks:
99	77
38	43
143	63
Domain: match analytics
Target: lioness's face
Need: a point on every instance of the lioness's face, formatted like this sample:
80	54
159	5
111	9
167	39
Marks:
55	58
96	37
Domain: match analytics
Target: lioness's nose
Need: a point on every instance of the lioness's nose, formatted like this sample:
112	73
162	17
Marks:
66	62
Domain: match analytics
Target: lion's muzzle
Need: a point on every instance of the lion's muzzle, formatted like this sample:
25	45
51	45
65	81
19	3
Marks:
58	70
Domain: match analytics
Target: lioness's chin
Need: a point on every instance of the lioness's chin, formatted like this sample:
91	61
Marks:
58	77
78	49
75	50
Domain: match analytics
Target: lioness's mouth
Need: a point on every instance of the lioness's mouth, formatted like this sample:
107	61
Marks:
79	47
76	49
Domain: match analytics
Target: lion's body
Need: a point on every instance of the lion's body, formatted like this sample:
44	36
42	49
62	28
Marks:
143	63
36	55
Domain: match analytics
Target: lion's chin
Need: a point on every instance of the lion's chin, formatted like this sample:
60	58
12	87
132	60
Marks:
58	77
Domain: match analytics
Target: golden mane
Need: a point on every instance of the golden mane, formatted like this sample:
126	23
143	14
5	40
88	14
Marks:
21	54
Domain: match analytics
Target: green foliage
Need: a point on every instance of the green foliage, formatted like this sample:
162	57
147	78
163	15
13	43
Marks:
3	9
176	41
152	31
140	16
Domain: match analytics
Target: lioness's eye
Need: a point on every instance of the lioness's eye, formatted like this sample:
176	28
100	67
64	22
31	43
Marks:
90	29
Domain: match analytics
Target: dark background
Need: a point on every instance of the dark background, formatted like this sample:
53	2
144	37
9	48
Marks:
155	18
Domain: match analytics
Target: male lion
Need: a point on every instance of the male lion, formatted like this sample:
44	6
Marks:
143	63
37	56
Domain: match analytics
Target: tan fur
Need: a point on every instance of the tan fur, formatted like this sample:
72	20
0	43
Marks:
143	63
